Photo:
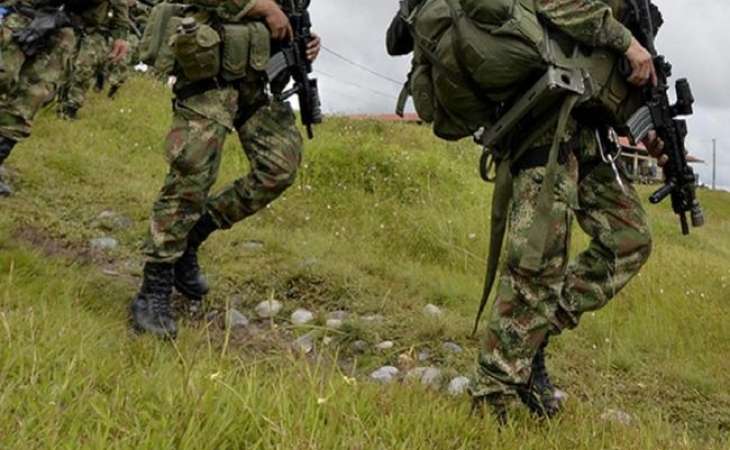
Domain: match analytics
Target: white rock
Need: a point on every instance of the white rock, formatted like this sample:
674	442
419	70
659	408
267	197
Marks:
268	309
338	315
304	344
334	323
432	310
617	416
235	319
385	345
327	340
104	243
373	318
360	346
452	347
458	386
428	376
385	375
301	316
424	355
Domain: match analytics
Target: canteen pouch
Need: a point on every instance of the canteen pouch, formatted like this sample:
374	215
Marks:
244	46
198	53
154	47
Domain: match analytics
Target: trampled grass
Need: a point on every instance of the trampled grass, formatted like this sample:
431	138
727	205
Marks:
382	220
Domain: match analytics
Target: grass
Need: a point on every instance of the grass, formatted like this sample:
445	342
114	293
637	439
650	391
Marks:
383	220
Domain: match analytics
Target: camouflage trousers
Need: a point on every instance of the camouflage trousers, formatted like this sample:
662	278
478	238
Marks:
29	83
269	136
530	305
92	57
117	74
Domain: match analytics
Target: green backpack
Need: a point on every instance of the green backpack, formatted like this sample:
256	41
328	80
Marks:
472	57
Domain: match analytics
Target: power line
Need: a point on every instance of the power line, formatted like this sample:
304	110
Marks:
351	83
361	66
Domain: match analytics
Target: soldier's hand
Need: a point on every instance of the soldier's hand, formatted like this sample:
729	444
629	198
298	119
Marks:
313	47
655	146
642	64
120	48
275	19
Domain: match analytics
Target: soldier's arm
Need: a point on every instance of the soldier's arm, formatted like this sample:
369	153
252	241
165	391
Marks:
119	22
589	22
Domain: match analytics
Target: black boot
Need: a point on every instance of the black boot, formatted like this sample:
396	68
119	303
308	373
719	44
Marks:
99	82
541	396
69	112
189	280
151	307
6	146
495	403
113	91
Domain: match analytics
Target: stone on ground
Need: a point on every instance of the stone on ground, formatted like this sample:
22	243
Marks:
617	416
452	347
334	323
268	309
432	310
385	345
304	344
458	386
236	319
385	375
338	315
302	316
104	243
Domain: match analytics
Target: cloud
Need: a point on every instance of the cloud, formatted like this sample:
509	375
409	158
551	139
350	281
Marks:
695	38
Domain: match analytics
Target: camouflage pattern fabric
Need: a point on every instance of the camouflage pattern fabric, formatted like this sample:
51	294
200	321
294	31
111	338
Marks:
590	22
117	74
529	305
26	84
91	58
270	139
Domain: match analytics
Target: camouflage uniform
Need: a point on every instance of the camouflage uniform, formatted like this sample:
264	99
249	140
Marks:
531	305
117	74
267	131
92	55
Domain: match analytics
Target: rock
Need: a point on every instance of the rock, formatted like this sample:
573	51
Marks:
327	340
458	386
236	319
334	323
104	243
268	309
385	375
360	346
110	221
432	310
338	315
617	416
451	347
373	318
308	263
211	317
301	317
427	376
385	345
252	245
304	344
424	355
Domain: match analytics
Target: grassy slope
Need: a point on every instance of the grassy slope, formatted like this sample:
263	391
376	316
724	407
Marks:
383	219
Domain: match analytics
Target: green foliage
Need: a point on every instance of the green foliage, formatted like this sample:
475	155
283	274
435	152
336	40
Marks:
383	220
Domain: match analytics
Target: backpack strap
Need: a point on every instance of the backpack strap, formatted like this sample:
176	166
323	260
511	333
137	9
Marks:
502	197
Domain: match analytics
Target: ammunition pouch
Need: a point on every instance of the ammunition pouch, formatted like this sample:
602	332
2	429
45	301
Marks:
198	54
245	46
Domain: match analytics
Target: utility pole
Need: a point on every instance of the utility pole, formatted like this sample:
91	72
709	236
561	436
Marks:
714	163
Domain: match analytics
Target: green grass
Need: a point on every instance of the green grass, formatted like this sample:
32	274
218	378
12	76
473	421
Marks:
382	220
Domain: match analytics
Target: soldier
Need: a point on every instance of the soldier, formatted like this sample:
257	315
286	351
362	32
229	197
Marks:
96	32
204	112
117	74
531	306
33	64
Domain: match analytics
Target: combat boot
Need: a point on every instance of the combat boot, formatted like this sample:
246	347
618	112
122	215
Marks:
189	280
113	91
151	308
6	146
69	112
540	395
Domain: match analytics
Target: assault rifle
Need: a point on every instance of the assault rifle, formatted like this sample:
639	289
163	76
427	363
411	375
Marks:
661	115
290	61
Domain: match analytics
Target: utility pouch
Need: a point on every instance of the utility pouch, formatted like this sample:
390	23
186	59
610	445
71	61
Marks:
196	47
244	46
154	47
421	87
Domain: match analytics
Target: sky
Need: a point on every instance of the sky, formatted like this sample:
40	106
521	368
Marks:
695	39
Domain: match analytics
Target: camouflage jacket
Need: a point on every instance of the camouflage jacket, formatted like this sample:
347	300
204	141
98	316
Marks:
111	16
590	22
229	10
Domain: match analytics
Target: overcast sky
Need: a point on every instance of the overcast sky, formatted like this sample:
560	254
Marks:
695	38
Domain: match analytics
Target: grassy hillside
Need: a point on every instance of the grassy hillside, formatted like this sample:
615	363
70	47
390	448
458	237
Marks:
383	220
